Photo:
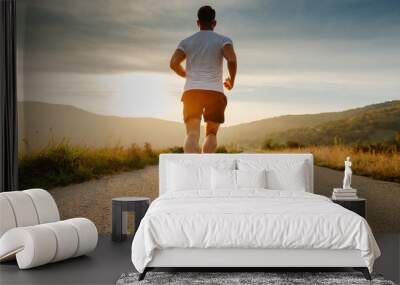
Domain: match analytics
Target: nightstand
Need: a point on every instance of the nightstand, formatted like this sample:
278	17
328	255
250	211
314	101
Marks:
120	207
358	206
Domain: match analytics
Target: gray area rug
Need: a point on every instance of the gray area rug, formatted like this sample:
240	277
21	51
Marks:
232	278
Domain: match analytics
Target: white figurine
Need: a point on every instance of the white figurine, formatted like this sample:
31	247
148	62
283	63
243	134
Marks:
347	174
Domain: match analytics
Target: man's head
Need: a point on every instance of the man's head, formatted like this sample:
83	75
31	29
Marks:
206	18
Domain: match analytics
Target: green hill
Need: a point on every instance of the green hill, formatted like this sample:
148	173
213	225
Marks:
371	124
253	133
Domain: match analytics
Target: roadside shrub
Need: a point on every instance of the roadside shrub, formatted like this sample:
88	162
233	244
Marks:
174	149
270	144
293	144
228	149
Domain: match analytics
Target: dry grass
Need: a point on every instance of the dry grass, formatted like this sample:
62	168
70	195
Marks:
378	165
62	164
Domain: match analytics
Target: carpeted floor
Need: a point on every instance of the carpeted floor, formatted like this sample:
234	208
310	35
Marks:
243	278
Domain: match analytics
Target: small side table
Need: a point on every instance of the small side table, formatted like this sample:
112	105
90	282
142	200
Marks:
358	206
120	207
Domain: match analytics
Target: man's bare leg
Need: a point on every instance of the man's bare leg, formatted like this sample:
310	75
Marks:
192	136
210	142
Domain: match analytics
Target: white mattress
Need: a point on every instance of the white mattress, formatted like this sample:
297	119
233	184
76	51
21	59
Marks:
252	219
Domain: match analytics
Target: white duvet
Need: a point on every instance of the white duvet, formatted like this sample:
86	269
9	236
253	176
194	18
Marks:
250	219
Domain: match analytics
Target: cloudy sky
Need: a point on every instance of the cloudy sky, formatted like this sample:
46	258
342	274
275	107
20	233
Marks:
300	56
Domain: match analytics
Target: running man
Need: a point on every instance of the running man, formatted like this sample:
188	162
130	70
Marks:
203	92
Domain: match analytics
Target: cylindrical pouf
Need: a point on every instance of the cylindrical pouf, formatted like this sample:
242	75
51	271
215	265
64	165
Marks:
34	246
7	218
87	235
46	207
23	208
67	240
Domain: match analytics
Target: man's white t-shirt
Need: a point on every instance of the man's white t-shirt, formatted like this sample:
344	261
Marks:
204	60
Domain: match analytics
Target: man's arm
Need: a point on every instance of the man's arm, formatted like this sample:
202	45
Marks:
175	64
230	56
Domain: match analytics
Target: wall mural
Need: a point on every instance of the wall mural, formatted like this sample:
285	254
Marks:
98	101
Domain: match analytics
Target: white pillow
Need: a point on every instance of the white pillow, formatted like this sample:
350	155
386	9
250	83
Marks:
251	178
223	179
227	179
281	174
292	179
183	178
188	174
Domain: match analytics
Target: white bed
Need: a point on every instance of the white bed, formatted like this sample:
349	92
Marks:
249	227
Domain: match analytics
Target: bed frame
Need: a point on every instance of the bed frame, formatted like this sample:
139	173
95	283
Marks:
245	259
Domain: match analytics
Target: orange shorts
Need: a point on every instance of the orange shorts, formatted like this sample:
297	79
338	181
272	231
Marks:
207	103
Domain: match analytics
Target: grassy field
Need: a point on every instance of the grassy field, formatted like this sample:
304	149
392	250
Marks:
62	164
378	165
